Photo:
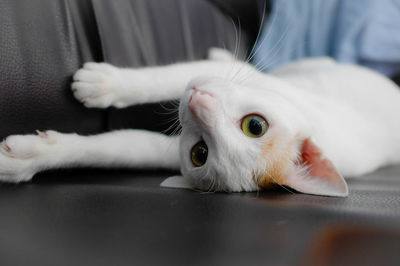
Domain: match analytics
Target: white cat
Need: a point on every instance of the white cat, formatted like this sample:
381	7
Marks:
242	130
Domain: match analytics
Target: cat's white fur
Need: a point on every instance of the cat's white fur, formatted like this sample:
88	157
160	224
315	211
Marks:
350	112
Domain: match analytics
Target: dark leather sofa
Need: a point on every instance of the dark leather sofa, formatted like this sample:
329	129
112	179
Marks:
123	217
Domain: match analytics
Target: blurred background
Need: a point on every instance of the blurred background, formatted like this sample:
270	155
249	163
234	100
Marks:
364	32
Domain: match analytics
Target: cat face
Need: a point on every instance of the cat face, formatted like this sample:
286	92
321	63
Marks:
231	138
236	138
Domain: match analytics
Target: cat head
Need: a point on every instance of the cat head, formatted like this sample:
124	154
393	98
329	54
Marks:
238	138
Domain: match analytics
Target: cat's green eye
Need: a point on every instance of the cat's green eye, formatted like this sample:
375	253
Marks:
254	126
199	153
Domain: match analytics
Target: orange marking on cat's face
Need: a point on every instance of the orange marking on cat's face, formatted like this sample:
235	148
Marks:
275	174
280	159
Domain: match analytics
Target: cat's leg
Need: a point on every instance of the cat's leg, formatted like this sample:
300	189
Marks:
102	85
22	156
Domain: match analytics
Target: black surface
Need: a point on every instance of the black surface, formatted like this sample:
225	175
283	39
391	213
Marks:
396	79
104	217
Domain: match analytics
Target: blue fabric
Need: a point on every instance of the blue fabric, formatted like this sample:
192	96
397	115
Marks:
365	32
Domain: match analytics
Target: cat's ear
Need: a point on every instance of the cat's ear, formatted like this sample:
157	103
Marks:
320	178
178	182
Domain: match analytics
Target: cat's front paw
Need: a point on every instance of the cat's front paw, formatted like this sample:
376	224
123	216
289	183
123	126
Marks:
98	85
19	155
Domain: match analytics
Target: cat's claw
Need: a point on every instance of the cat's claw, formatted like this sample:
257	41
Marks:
5	147
97	85
27	146
42	134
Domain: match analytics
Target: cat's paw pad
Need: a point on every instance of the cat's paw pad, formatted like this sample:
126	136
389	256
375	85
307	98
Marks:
27	146
97	84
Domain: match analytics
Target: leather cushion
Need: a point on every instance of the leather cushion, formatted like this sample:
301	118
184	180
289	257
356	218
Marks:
46	41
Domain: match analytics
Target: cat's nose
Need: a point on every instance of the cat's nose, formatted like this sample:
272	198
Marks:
200	99
202	105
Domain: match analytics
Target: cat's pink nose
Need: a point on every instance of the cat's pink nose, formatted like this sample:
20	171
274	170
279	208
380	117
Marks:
201	98
202	105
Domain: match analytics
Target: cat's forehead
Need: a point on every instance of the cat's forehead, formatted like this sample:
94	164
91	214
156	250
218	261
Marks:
228	87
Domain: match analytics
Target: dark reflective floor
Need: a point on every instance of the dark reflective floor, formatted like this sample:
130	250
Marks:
97	217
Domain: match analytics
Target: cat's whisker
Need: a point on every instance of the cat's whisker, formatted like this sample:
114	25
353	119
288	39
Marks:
168	110
271	26
237	46
239	29
177	131
283	36
257	46
282	186
265	67
172	122
274	50
211	188
261	65
253	50
237	54
173	116
274	61
234	52
177	127
258	187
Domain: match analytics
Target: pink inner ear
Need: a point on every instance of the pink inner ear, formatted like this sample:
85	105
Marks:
322	177
318	165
